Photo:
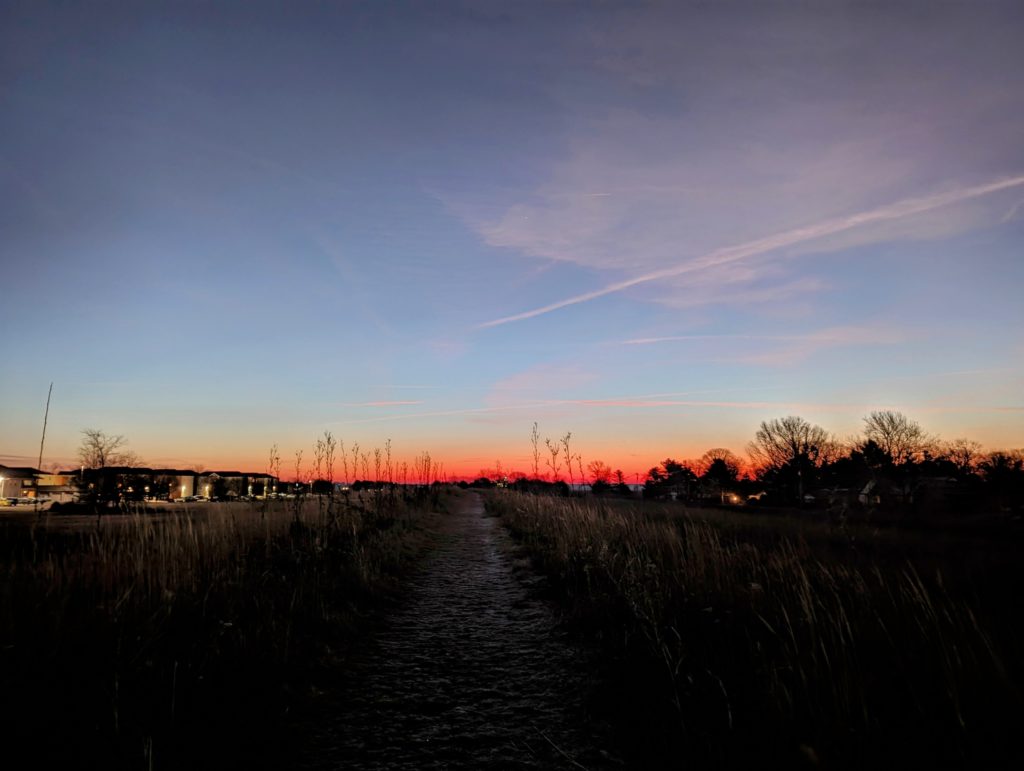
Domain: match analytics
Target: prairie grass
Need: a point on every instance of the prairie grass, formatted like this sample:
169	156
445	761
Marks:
179	639
732	641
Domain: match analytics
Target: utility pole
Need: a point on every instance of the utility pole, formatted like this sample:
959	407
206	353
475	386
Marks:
42	441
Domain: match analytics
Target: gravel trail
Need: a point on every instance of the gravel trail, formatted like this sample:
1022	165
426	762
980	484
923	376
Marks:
471	671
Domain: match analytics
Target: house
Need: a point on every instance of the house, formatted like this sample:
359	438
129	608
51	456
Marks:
18	481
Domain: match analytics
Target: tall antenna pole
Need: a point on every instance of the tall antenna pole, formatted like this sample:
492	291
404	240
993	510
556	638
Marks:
42	441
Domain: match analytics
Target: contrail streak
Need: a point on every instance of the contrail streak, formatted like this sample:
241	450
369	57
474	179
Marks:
894	211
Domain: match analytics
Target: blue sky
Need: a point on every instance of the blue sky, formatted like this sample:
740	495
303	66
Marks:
650	225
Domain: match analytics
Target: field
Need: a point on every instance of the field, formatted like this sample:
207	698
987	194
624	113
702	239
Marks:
732	639
200	636
178	638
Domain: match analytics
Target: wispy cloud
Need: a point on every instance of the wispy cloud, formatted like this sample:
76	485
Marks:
785	349
716	289
409	387
538	383
645	403
391	403
894	211
17	459
831	335
1012	212
446	413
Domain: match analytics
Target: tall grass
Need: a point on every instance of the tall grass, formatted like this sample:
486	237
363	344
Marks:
730	647
180	639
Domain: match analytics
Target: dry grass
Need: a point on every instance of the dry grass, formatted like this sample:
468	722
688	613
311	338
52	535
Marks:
179	639
741	648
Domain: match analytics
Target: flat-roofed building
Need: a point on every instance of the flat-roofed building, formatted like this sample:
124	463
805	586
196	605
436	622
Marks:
18	481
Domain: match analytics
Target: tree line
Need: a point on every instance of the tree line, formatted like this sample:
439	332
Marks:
893	463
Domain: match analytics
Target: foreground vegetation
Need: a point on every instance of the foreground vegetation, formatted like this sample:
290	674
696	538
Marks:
177	639
734	639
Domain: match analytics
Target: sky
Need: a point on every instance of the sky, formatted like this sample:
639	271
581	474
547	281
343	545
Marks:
224	227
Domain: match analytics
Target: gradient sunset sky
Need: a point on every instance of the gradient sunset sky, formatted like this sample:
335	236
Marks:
651	225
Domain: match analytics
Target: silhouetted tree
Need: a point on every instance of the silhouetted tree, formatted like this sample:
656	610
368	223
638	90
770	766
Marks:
964	454
719	466
535	441
1003	472
554	450
788	441
99	449
600	472
788	451
899	437
620	483
671	478
568	455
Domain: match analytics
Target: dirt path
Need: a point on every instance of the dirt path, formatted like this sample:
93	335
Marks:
470	672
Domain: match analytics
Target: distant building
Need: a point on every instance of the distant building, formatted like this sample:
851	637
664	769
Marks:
229	485
173	483
132	483
18	481
59	488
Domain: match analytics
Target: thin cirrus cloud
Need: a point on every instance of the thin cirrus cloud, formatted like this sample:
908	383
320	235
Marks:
894	211
786	349
392	403
716	289
645	403
833	335
537	383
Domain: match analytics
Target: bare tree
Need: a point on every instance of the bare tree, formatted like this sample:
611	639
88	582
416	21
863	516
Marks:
129	458
422	468
568	455
725	458
965	454
274	466
789	440
899	437
298	469
535	440
319	452
99	449
600	472
330	448
355	463
554	449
